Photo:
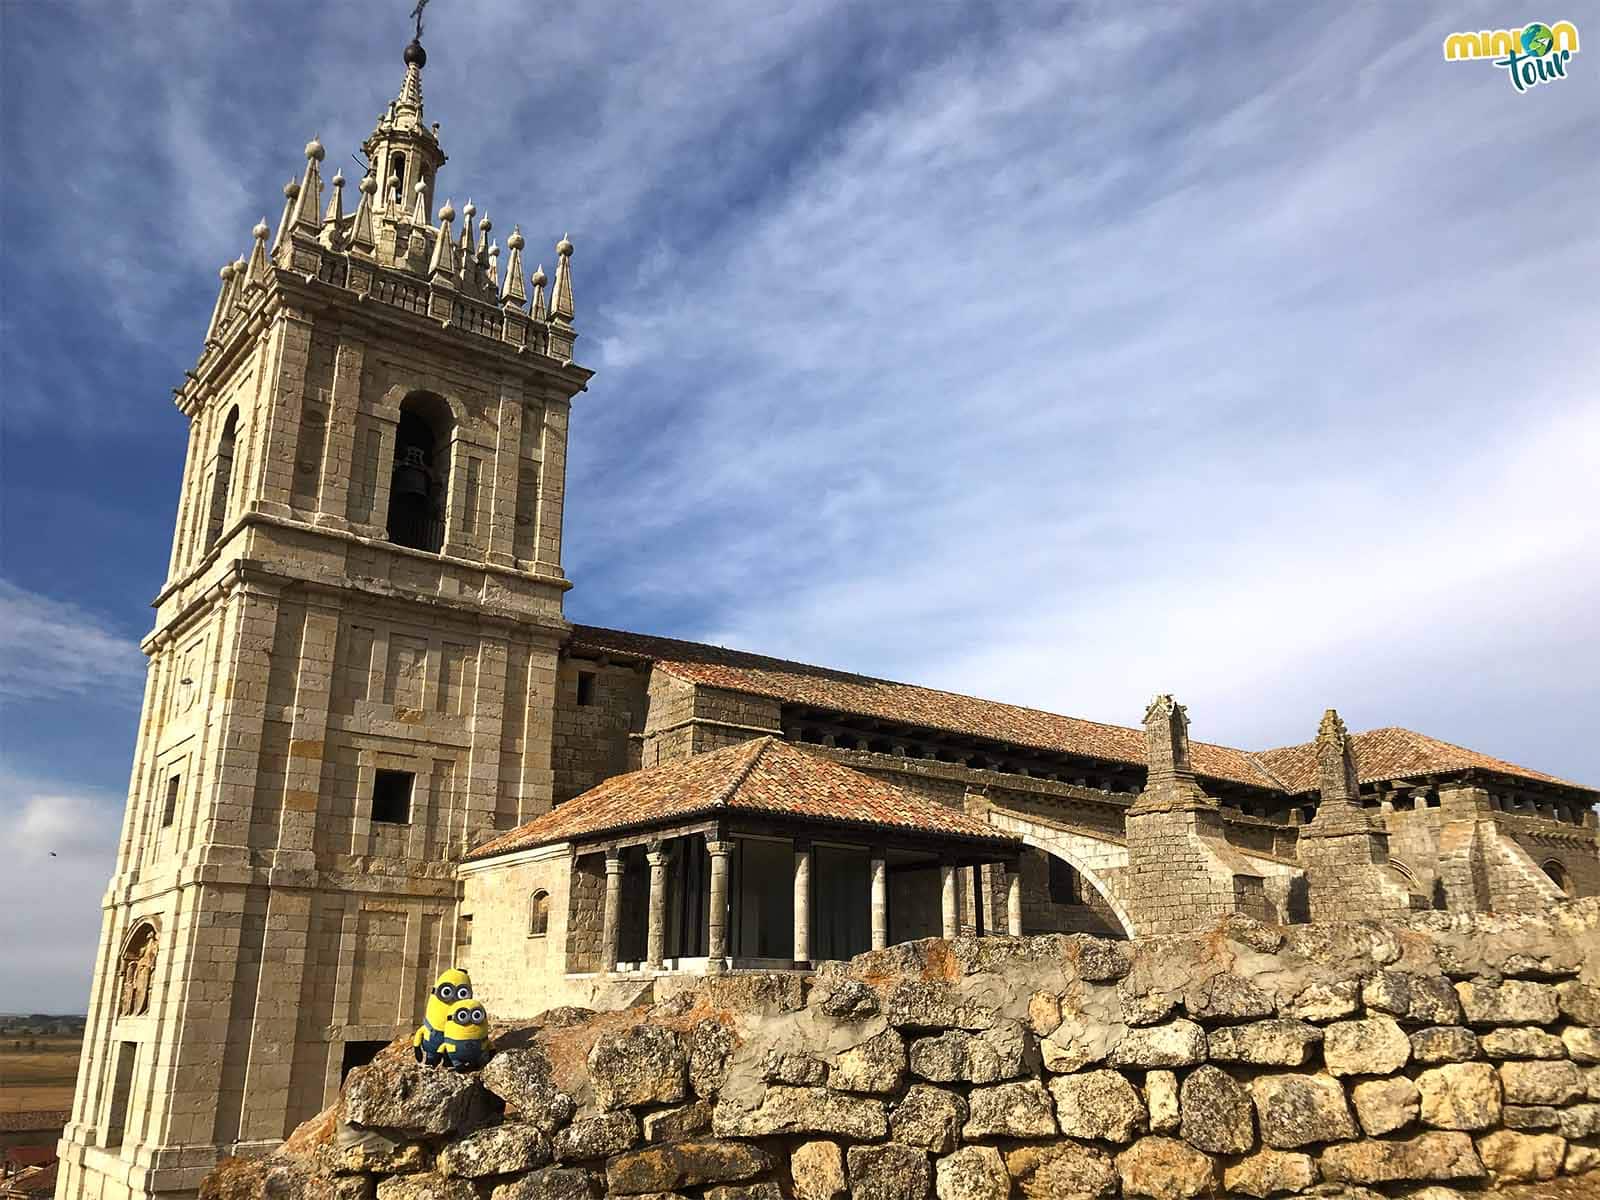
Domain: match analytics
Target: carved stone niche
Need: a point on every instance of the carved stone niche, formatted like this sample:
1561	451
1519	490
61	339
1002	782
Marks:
136	971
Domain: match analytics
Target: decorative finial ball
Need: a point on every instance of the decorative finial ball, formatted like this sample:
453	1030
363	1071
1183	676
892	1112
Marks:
415	55
515	241
485	225
260	231
564	247
338	179
469	209
227	271
538	275
394	183
291	190
448	212
368	184
422	186
494	250
239	265
314	150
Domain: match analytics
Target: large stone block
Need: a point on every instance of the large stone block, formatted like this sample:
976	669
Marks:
596	1137
1010	1110
972	1173
1375	1046
1460	1096
1061	1169
1445	1043
1099	1106
802	1110
641	1065
1269	1172
1426	1157
1281	1043
877	1065
929	1118
676	1165
891	1172
1217	1116
497	1150
1301	1110
1509	1002
1165	1169
1541	1082
1522	1157
817	1169
412	1099
1521	1041
1178	1043
521	1078
1385	1105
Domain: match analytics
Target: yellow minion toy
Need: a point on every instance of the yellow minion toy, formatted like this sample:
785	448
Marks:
455	1029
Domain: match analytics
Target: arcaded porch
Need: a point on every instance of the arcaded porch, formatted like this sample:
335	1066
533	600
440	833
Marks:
763	855
730	895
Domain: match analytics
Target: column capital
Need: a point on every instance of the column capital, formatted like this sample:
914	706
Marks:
717	847
656	857
613	862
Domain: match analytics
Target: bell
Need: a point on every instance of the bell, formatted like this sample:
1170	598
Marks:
410	472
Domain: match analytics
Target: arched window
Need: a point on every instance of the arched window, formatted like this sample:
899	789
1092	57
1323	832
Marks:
1558	875
397	173
221	479
539	914
420	482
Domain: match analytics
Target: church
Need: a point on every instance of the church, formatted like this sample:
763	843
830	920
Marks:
372	746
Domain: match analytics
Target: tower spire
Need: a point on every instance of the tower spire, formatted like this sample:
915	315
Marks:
513	291
308	206
561	290
537	306
333	219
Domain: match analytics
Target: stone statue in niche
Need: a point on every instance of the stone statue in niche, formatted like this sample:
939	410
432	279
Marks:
138	972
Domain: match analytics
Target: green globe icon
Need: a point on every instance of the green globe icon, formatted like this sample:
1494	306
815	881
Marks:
1537	39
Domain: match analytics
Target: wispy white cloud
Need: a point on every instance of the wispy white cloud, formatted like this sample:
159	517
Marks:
52	649
60	855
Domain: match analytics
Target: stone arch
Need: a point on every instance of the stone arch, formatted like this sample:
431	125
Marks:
1556	871
1088	856
221	477
136	969
419	491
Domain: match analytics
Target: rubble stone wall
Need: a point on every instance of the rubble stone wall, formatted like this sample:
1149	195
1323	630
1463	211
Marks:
1257	1060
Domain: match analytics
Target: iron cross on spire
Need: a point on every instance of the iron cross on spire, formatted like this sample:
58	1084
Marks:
417	13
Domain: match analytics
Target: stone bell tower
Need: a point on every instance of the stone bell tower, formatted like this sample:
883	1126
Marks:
352	669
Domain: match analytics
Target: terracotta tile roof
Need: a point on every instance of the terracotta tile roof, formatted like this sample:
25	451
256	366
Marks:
1390	753
909	704
764	775
1395	753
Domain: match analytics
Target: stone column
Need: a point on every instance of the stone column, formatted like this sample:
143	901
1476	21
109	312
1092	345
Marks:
611	927
880	899
717	918
952	910
657	941
1014	899
802	903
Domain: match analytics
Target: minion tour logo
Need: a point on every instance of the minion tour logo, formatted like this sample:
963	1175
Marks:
1534	54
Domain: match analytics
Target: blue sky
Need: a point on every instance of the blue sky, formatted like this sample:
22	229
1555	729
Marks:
1058	353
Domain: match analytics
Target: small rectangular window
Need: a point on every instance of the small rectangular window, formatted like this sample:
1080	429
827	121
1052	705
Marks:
391	797
169	810
585	689
358	1054
463	936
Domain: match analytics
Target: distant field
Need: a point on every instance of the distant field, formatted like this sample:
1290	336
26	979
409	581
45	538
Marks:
37	1072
